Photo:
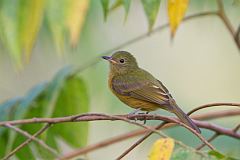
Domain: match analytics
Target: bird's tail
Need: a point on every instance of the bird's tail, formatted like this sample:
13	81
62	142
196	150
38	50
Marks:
184	118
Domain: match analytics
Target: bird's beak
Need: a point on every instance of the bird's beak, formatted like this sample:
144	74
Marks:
109	59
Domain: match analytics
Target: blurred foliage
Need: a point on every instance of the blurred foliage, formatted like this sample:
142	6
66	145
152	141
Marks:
65	95
21	21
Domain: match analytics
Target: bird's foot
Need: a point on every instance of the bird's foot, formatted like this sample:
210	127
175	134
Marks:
134	112
145	119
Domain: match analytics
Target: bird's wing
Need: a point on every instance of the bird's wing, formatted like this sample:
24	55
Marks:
141	88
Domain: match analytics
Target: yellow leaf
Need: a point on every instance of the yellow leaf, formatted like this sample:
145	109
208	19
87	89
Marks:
162	149
75	18
176	12
30	20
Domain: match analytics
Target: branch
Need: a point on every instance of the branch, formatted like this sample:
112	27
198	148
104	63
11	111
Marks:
162	125
216	135
226	21
153	130
132	134
237	36
209	140
98	116
139	141
213	105
31	138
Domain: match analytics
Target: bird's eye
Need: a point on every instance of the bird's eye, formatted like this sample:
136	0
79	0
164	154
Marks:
121	60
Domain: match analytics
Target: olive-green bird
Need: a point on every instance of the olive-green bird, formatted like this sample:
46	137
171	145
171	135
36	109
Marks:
139	89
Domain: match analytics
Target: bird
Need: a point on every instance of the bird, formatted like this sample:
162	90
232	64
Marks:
139	89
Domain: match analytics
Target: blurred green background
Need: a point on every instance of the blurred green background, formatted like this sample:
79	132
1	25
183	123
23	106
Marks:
200	65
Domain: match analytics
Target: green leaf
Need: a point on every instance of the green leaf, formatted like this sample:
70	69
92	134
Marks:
53	90
126	4
72	99
115	5
20	110
151	8
56	13
219	156
184	154
29	23
9	30
105	5
6	108
26	101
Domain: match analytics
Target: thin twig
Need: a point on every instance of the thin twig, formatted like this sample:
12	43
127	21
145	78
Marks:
213	105
147	135
236	128
153	130
198	148
209	140
139	141
98	116
237	36
226	21
189	113
33	138
132	134
30	138
215	136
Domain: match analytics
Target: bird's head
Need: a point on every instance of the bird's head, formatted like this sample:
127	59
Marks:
121	62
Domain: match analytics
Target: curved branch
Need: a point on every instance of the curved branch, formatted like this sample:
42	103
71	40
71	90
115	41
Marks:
98	116
213	105
135	133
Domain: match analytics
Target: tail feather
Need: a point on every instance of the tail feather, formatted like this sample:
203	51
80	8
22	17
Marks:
184	118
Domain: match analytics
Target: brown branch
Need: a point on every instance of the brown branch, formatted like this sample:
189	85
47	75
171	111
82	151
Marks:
103	143
222	15
209	140
215	136
162	125
132	134
213	105
97	116
140	141
92	117
33	138
152	130
236	128
237	36
217	114
26	142
148	134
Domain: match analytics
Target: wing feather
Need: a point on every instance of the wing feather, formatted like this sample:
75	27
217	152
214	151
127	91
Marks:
143	89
